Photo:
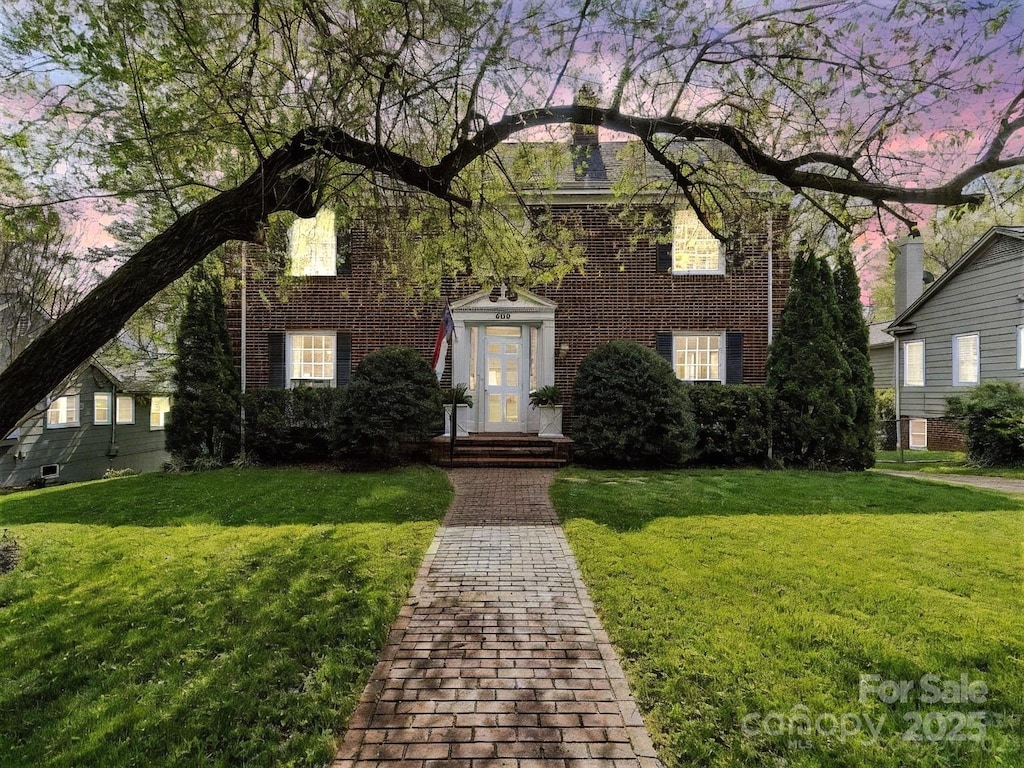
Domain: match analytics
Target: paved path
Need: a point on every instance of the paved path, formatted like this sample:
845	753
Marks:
1004	484
498	658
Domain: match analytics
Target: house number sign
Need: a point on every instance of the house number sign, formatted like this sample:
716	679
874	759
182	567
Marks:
502	315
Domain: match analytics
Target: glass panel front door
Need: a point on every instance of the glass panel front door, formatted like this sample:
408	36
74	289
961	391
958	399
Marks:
503	380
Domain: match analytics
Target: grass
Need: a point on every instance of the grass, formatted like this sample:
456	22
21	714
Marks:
941	463
224	618
919	457
734	594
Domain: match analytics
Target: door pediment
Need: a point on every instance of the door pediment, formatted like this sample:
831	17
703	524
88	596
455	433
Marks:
525	306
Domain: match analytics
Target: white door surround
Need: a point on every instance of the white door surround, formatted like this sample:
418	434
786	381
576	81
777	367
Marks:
503	350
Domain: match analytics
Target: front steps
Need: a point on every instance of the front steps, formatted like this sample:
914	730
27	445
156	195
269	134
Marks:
501	450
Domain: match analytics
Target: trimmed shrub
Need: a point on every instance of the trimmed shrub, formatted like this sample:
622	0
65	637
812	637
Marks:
885	418
630	410
992	418
288	426
392	403
732	425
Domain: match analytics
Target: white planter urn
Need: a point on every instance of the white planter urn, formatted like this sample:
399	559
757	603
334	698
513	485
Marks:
462	419
550	421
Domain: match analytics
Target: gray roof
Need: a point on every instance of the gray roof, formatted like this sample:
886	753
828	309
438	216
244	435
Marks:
877	337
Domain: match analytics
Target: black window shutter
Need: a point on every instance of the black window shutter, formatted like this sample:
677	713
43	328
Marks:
663	345
278	367
664	257
343	358
343	254
734	358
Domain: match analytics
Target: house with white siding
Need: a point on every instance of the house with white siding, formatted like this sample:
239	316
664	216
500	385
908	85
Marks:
968	327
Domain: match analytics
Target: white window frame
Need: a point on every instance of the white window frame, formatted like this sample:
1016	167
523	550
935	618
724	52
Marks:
922	426
158	418
917	381
679	368
1020	347
292	366
313	246
130	400
63	412
691	239
957	380
97	399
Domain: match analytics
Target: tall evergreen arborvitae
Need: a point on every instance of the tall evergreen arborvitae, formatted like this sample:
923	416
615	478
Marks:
807	374
859	444
204	418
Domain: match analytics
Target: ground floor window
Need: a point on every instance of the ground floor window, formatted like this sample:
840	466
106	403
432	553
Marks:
158	410
697	357
125	409
63	412
311	360
918	433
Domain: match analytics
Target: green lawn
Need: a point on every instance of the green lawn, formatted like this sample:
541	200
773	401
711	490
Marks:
941	463
739	594
225	618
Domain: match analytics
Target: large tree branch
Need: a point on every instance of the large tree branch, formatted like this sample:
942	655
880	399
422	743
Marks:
239	213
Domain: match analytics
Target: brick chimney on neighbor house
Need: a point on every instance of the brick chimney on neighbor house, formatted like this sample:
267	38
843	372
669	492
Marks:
909	270
584	135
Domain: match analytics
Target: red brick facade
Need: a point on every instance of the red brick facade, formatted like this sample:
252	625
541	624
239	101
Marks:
622	295
943	434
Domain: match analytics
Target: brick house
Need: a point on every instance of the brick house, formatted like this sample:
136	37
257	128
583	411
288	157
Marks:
707	307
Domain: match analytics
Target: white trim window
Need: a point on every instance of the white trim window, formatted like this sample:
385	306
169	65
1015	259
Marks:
62	412
101	402
913	363
918	429
311	359
1020	347
125	411
313	246
159	407
698	357
694	249
966	359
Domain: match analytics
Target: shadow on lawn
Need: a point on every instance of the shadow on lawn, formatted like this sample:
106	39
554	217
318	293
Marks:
238	497
625	501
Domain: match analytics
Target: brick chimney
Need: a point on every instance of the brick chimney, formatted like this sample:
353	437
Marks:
584	135
909	270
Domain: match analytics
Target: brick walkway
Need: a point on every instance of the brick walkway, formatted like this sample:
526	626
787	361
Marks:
498	658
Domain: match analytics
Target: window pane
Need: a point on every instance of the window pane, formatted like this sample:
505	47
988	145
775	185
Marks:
158	409
913	361
101	408
967	359
312	357
694	248
696	358
125	409
312	246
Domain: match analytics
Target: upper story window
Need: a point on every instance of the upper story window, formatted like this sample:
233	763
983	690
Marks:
101	402
159	407
697	357
63	412
913	363
313	246
966	359
311	359
694	248
125	413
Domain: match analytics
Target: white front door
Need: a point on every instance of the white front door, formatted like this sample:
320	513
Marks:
504	374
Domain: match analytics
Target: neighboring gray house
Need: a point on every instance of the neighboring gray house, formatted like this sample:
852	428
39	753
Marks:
880	354
968	327
98	420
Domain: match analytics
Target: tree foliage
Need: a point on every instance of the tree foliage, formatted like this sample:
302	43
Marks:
807	374
205	412
992	418
206	118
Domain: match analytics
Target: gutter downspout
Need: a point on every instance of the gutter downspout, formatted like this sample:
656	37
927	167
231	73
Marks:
771	247
242	377
896	395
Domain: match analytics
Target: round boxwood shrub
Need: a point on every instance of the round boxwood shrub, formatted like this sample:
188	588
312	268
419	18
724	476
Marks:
992	418
629	409
393	402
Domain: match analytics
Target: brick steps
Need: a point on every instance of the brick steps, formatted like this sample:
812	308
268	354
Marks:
517	451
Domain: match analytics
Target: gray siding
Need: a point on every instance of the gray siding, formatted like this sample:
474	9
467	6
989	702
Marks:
981	298
882	365
87	451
